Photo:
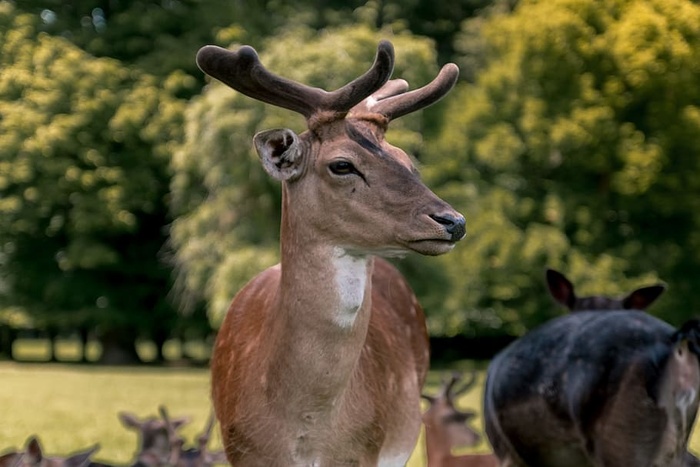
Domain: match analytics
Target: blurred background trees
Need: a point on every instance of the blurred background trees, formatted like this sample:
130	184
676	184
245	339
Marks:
132	205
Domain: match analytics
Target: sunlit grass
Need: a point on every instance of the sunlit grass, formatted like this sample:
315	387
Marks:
72	407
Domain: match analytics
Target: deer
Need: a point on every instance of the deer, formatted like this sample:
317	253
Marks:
562	290
161	445
153	435
33	456
191	457
321	358
593	389
446	428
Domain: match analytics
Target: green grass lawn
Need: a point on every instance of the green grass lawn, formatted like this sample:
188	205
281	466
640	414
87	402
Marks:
72	407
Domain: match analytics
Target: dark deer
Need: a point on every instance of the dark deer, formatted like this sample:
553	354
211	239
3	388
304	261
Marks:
33	456
446	428
562	290
587	389
321	359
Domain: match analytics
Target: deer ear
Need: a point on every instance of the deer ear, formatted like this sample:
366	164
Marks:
640	299
280	153
81	459
129	420
561	289
178	422
34	450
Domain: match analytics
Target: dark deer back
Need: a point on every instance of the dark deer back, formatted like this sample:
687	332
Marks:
562	290
595	389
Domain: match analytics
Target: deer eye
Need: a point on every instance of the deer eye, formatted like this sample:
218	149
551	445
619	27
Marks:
342	168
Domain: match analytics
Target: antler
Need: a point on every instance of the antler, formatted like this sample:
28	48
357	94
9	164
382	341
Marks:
465	386
448	384
393	101
203	439
243	71
176	441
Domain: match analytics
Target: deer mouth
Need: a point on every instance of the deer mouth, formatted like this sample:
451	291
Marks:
431	246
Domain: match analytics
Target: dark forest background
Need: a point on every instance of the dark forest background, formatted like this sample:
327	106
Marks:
132	206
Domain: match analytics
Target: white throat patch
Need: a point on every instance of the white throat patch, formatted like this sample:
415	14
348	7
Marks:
350	281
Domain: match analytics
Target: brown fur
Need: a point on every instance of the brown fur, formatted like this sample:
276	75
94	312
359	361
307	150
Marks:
320	359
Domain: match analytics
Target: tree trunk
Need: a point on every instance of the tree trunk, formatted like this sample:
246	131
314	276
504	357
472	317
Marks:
52	334
119	347
83	335
7	338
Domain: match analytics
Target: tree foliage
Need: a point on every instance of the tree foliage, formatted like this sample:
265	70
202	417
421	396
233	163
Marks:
576	148
84	151
570	142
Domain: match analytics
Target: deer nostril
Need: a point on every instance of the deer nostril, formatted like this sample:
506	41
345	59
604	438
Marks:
456	226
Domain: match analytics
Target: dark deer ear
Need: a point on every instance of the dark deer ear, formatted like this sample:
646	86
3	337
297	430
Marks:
280	153
561	289
640	299
129	420
689	331
34	450
81	459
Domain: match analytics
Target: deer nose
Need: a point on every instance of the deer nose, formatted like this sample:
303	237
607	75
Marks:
456	226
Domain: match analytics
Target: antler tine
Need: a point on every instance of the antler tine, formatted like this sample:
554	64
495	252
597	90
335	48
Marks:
243	71
172	434
466	385
399	105
166	418
448	384
204	437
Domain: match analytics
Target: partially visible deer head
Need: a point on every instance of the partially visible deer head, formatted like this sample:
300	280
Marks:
446	427
446	421
33	456
562	290
154	437
191	457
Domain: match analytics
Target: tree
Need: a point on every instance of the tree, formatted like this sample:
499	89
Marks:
227	210
84	152
575	148
161	36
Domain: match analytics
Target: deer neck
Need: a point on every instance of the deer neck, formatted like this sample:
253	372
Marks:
437	450
322	310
